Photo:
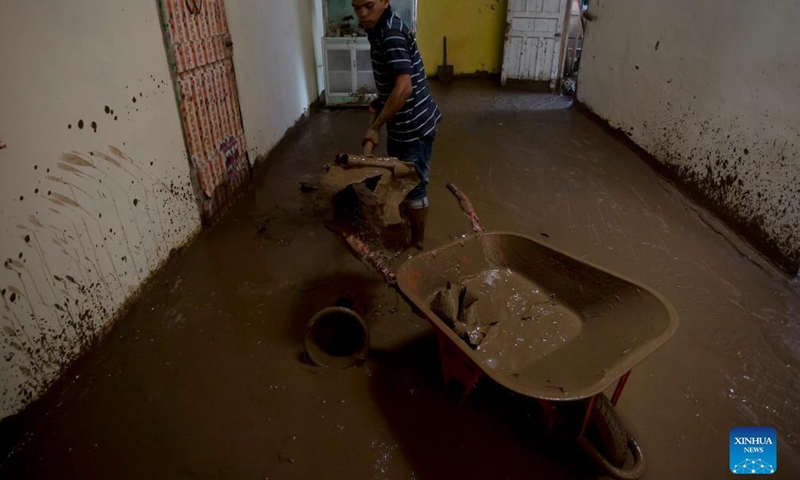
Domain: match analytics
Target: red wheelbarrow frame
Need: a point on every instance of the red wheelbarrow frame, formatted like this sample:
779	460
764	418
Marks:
457	365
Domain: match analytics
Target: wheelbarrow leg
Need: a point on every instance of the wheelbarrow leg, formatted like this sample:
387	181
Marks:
455	366
620	385
587	416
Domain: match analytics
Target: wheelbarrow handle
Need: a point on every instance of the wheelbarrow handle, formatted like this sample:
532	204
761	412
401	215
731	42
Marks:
365	253
467	208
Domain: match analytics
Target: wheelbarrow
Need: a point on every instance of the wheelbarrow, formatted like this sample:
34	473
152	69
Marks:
562	330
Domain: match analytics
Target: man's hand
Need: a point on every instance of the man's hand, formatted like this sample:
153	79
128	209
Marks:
371	135
403	88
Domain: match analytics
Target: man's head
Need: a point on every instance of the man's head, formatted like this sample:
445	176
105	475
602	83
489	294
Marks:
369	11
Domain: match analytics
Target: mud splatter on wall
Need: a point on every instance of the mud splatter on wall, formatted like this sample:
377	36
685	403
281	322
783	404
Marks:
95	187
715	101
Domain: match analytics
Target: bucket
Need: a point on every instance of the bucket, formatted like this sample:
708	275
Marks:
336	337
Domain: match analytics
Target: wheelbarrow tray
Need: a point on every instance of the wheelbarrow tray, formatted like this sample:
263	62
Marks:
565	329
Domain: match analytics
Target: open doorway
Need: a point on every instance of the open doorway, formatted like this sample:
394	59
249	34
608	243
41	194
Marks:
573	47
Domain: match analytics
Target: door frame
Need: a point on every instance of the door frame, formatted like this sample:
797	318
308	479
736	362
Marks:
556	86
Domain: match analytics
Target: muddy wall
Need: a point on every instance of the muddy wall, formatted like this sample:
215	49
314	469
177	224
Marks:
474	31
710	91
94	181
274	53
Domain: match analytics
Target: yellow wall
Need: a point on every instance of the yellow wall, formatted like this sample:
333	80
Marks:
474	31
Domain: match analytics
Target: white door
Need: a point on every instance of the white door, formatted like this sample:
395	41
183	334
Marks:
533	40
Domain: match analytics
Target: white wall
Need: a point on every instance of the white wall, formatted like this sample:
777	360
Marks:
274	58
710	89
85	216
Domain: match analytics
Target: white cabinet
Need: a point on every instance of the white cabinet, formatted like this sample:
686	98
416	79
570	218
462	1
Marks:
348	71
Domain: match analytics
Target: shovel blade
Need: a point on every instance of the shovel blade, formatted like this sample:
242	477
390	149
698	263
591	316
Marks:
445	72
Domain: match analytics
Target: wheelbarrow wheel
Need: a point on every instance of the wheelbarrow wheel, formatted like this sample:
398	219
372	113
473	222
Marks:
609	445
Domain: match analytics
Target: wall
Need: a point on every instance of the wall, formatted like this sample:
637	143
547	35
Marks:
340	9
94	181
475	31
710	92
274	57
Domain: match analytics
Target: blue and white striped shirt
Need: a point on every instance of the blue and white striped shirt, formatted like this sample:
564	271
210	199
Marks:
394	52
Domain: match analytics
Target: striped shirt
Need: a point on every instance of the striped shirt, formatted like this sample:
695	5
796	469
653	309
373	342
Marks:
394	52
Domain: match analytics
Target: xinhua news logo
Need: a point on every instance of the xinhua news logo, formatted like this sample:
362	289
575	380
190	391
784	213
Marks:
753	450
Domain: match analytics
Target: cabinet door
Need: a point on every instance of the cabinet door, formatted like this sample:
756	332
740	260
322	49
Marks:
365	82
340	76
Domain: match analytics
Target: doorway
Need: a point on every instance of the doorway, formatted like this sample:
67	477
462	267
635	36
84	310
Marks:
543	41
575	28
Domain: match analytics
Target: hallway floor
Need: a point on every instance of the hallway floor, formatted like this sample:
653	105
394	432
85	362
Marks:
202	378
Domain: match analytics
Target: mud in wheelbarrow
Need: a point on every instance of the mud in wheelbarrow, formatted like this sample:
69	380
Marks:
541	323
566	329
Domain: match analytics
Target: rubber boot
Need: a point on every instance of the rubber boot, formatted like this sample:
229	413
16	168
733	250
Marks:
417	218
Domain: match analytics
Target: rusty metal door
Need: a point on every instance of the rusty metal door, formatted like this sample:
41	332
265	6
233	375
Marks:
532	48
200	53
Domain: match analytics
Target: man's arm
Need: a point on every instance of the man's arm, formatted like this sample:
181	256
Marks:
403	88
402	91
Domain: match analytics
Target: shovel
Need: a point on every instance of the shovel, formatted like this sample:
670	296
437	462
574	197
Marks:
445	71
399	169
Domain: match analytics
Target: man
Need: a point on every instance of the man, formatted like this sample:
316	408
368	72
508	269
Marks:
404	102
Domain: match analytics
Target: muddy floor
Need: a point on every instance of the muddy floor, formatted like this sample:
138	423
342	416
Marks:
203	378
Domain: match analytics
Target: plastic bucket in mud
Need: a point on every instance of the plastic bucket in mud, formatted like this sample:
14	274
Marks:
336	337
